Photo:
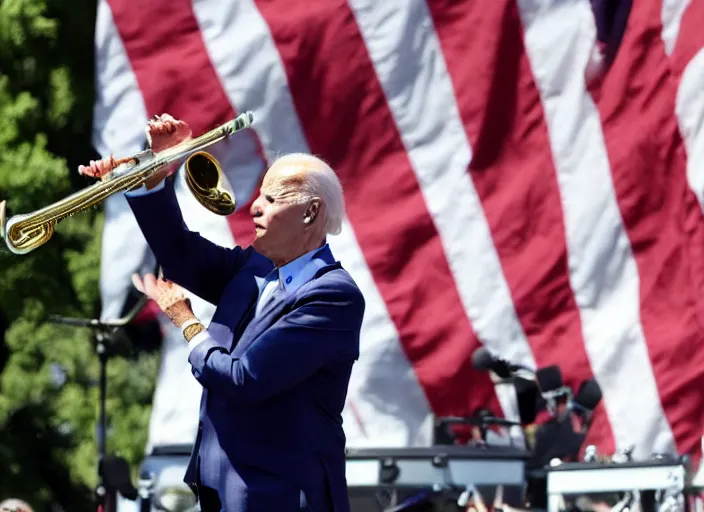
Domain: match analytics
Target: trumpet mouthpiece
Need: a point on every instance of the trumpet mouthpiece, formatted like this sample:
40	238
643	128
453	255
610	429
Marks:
242	121
2	219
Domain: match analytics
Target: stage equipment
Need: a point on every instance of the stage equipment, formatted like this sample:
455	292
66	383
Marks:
161	485
24	233
583	404
529	400
483	360
663	480
521	377
113	472
436	467
483	419
383	479
379	480
556	439
554	394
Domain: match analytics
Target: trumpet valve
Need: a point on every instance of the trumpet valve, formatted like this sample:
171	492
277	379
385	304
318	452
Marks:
125	165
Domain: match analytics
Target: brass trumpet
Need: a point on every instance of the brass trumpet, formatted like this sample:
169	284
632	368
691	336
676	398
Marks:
24	233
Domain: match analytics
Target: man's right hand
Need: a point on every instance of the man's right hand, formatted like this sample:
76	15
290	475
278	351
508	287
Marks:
162	132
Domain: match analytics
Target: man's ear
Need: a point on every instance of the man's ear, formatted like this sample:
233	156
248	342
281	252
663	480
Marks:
311	212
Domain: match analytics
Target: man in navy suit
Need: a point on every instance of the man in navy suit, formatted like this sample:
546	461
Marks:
276	359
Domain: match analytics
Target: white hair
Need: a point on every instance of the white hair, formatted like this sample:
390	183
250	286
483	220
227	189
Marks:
321	182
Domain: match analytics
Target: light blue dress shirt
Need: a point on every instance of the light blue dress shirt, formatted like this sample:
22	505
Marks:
288	279
291	276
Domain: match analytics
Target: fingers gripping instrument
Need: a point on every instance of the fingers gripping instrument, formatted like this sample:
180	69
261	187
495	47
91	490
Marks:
24	233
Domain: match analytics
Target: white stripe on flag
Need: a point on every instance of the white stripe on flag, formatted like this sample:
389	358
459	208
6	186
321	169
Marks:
406	54
225	28
245	59
559	38
671	14
118	121
386	406
120	116
689	108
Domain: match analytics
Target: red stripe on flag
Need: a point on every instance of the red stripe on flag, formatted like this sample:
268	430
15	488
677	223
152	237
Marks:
347	121
165	48
150	313
690	38
514	175
637	107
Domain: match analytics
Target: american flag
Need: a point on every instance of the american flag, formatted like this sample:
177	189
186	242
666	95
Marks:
527	175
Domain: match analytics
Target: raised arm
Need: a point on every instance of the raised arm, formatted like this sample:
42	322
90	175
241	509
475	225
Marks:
186	258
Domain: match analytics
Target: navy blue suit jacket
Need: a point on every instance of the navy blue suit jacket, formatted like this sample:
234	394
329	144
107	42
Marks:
270	433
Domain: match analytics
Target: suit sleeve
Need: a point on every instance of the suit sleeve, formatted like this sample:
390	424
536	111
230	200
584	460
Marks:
321	330
186	258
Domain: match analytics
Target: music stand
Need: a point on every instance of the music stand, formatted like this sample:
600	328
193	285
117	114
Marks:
113	472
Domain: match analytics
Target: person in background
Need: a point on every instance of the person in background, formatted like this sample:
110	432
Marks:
15	505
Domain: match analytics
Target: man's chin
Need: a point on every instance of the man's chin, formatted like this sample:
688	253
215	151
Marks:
259	245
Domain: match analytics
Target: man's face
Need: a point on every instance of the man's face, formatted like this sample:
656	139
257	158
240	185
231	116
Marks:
278	217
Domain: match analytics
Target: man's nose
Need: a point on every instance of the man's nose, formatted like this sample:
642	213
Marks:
256	210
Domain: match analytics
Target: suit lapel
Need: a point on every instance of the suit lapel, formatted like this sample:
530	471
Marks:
262	321
273	303
260	282
272	309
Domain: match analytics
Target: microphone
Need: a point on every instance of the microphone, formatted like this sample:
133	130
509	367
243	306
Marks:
483	360
528	399
552	389
588	397
528	396
549	380
585	401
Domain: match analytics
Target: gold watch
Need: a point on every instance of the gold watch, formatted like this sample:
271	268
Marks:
190	330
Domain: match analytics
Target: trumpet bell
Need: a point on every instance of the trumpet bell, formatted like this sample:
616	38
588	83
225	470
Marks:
24	233
204	179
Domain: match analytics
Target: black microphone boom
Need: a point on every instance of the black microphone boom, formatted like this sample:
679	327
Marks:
528	398
480	421
485	361
94	322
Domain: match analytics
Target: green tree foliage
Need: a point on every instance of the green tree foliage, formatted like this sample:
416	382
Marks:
48	426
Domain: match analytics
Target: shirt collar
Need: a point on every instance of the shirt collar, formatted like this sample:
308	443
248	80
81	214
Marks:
297	272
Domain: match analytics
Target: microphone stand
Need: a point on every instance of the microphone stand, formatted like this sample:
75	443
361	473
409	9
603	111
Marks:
105	333
482	422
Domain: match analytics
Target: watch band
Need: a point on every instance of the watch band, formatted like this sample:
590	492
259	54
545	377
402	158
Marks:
191	327
192	331
188	323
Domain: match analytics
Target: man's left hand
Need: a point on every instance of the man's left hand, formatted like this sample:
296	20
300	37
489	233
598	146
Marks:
168	295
